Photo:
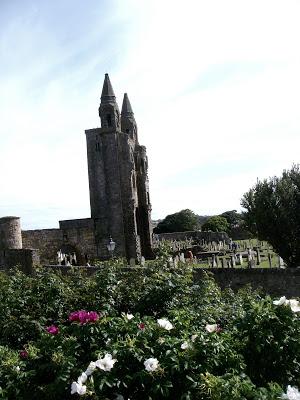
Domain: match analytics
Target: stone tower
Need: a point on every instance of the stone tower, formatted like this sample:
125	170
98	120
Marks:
118	180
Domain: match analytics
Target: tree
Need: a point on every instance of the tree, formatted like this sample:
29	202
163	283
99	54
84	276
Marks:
237	226
182	221
232	217
273	213
216	224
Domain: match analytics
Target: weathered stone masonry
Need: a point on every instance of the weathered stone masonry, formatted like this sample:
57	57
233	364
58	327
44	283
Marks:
119	193
11	251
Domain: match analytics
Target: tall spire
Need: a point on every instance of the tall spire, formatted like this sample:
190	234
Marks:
109	111
107	90
128	124
126	107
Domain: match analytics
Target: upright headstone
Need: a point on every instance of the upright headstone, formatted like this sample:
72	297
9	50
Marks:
249	257
280	262
182	259
143	261
132	262
239	259
270	260
232	261
213	261
249	254
258	260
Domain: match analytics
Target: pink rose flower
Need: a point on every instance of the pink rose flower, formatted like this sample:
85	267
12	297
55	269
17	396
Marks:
53	330
141	326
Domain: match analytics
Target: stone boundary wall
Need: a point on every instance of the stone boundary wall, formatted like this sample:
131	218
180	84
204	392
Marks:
273	281
25	258
195	235
47	241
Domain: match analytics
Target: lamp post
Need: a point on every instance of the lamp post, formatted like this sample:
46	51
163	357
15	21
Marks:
111	247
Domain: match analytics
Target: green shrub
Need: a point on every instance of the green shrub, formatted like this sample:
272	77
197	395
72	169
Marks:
252	351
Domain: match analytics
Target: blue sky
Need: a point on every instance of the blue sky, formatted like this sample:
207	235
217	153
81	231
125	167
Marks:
214	87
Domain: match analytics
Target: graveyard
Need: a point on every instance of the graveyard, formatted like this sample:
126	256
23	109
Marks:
150	200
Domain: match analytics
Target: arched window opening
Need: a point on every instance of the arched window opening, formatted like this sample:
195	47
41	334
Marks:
108	120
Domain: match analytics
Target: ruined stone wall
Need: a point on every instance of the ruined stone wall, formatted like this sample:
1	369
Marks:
129	195
79	234
196	235
144	208
273	281
24	258
10	233
73	236
105	189
47	241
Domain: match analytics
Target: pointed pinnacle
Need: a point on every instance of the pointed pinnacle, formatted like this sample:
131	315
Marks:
126	106
107	91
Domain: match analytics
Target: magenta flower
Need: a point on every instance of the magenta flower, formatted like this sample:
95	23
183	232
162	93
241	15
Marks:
53	330
84	316
141	326
73	316
92	316
23	354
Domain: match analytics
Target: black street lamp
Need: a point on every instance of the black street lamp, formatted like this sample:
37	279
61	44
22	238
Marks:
111	247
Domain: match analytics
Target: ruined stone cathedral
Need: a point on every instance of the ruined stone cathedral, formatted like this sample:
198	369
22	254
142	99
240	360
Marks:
119	189
119	196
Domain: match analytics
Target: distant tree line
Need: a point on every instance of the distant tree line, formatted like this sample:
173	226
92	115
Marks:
230	222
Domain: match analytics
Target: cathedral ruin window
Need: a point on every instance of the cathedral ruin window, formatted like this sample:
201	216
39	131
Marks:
108	120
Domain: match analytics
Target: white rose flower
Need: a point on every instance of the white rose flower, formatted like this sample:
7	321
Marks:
91	368
211	328
185	345
151	364
164	323
17	368
292	393
129	316
283	301
78	388
82	378
295	306
106	363
193	338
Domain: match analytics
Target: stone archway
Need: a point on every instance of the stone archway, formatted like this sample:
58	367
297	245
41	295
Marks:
70	249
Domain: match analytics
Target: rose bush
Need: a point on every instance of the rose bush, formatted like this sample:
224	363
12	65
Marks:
150	333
